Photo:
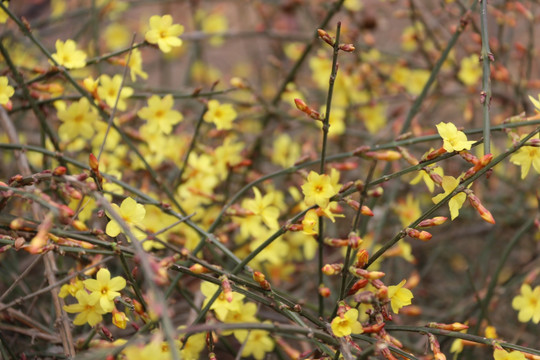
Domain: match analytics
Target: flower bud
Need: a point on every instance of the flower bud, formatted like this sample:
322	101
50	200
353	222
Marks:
357	286
325	37
388	155
332	269
324	291
198	269
119	319
347	47
371	275
59	171
433	222
226	287
422	235
261	279
354	240
362	258
484	213
451	327
377	192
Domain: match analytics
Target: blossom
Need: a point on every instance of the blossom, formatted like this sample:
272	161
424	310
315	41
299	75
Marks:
425	175
106	288
346	324
528	304
222	115
449	184
221	306
68	56
119	318
318	190
257	343
160	115
470	70
310	224
135	65
6	91
130	211
191	349
399	296
109	88
525	157
454	140
164	33
78	119
4	15
88	308
285	151
501	354
71	288
262	206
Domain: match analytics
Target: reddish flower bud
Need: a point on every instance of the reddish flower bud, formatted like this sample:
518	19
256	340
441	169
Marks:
226	287
388	155
408	156
366	211
373	329
435	153
422	235
362	258
59	171
371	275
198	269
347	47
324	291
357	286
325	37
451	327
438	220
332	269
261	279
377	192
354	240
484	213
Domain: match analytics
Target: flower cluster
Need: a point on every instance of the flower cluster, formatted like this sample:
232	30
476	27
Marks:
95	297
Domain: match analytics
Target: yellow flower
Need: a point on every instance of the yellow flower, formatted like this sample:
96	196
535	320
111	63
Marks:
346	324
257	343
470	70
222	115
262	207
192	348
399	296
408	210
88	308
78	119
116	36
353	5
285	151
130	211
71	288
4	15
525	157
310	224
164	33
221	306
119	318
106	288
6	91
454	140
424	175
318	190
155	350
135	65
109	88
449	183
501	354
160	115
374	117
214	23
528	304
68	56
